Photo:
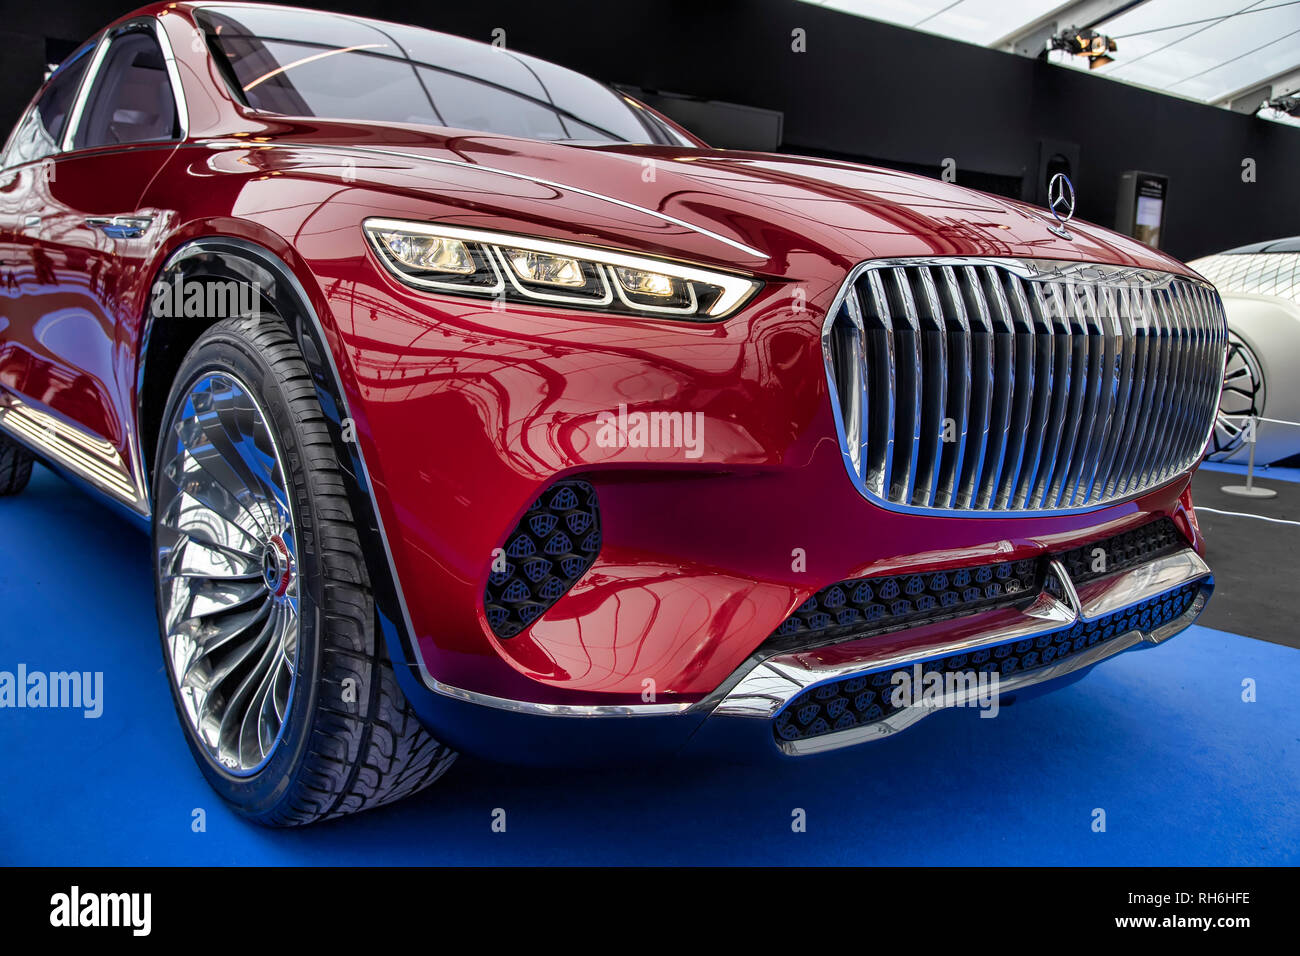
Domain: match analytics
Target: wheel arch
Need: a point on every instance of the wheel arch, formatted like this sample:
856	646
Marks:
163	346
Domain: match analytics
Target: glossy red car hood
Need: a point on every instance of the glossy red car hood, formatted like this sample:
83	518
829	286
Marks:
753	210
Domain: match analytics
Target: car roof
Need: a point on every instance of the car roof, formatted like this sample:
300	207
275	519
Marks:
1290	244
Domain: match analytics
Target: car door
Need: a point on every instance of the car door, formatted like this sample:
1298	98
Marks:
83	241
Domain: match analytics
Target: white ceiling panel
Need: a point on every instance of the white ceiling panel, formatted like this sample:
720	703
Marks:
1198	49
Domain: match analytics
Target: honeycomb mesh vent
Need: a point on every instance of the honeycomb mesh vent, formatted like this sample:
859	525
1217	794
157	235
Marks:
864	606
553	545
1123	551
868	605
864	699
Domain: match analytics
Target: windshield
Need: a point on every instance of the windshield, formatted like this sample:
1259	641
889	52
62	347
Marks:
300	63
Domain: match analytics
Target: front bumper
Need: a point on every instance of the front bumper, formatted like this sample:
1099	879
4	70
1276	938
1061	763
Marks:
1055	634
810	696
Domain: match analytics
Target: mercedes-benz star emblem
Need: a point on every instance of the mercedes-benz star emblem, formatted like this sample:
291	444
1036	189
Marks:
1061	202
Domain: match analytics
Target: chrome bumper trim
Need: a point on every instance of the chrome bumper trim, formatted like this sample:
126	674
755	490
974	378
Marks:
769	685
1110	594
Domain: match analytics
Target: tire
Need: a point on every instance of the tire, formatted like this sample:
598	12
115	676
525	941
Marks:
15	467
295	716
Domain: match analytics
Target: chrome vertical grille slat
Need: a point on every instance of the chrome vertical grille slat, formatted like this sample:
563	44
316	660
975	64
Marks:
1021	337
1126	344
1141	365
978	385
1004	386
981	337
935	346
1107	316
880	352
1081	345
1100	350
1044	338
1061	379
910	386
1156	358
959	353
1170	356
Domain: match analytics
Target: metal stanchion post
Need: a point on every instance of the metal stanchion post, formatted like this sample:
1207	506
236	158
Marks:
1248	490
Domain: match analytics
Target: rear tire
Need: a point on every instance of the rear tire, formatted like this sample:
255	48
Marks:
15	467
288	701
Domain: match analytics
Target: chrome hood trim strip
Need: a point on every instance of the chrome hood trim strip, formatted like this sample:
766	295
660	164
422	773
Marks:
578	190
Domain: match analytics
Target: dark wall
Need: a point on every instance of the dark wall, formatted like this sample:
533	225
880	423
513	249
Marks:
863	89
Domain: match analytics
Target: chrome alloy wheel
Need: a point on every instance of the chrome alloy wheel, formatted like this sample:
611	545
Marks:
228	577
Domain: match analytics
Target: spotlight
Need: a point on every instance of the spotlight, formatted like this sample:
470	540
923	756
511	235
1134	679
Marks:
1289	104
1097	47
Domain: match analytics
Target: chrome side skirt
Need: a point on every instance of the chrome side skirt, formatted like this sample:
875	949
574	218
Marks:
771	684
73	449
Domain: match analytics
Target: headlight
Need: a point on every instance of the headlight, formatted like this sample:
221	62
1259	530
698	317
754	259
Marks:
475	262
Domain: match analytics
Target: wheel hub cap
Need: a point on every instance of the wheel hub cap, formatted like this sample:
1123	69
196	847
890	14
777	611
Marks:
277	567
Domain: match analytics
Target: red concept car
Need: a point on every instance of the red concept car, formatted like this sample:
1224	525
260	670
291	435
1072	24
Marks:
474	406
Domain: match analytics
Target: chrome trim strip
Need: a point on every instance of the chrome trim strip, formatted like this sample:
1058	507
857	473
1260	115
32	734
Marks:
83	92
90	458
769	685
174	74
561	710
1067	585
1118	591
1024	449
578	190
773	683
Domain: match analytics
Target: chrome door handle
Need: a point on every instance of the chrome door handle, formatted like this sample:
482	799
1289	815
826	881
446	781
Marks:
120	227
31	222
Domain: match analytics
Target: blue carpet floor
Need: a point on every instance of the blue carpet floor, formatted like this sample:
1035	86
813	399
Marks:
1186	772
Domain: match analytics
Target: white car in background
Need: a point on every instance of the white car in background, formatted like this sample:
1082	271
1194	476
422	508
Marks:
1260	286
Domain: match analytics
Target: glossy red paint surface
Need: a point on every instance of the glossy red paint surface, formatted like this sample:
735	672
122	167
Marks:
464	413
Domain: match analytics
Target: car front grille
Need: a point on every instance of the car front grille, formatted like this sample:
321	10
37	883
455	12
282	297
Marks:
866	698
1020	386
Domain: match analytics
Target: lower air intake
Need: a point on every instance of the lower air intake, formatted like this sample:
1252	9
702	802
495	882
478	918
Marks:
864	699
553	545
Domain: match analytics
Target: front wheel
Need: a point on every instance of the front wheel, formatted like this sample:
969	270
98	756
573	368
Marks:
288	701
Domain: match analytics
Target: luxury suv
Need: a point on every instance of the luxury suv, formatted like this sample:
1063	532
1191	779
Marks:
475	406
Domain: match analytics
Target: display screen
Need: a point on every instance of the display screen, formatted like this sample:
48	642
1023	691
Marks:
1150	212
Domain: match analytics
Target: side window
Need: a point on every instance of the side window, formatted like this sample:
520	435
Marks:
131	101
41	130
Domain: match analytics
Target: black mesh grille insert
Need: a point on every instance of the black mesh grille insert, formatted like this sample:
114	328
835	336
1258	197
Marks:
553	545
871	605
864	606
1123	551
844	704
